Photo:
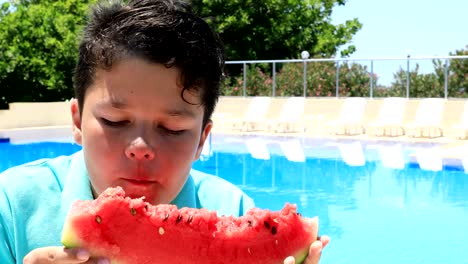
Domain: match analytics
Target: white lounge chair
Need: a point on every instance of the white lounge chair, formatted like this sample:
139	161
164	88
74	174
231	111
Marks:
293	150
456	154
257	148
350	120
392	156
390	119
461	127
352	153
290	118
429	159
254	115
428	119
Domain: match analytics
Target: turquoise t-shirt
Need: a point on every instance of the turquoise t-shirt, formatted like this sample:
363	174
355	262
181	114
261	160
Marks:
35	198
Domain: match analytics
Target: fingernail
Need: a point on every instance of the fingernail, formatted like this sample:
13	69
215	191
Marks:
103	261
82	255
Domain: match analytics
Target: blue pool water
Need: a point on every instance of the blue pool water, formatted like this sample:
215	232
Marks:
380	202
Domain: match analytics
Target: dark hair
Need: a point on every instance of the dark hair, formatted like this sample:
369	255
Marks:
158	31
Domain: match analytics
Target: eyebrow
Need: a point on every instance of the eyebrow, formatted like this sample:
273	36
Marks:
119	104
180	111
173	111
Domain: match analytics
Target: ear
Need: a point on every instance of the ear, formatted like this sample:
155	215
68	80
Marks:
76	118
204	135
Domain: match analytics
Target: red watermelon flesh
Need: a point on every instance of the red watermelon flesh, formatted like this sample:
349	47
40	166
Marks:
132	231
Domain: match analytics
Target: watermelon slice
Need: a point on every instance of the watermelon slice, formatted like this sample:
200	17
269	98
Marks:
132	231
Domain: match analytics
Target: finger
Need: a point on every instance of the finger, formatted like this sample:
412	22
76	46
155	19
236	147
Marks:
289	260
315	251
56	255
103	261
325	240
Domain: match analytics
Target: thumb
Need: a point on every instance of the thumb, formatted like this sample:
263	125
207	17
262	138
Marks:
56	255
289	260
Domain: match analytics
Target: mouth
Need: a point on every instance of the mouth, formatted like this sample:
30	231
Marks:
141	183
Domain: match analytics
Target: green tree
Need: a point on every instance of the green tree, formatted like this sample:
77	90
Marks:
38	49
278	29
457	73
433	84
354	80
421	84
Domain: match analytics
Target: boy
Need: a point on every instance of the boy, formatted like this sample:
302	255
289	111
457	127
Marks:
146	84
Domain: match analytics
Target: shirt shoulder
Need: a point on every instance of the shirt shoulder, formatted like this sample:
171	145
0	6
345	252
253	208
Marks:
30	196
36	174
215	193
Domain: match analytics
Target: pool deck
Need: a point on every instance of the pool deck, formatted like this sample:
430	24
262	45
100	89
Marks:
52	120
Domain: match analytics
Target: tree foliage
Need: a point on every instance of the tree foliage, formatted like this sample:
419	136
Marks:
433	84
354	79
38	48
278	29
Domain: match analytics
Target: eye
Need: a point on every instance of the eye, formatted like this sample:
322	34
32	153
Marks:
172	132
114	123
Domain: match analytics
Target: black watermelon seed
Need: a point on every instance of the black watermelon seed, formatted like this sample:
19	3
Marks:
249	222
166	217
179	218
146	207
267	225
133	211
274	230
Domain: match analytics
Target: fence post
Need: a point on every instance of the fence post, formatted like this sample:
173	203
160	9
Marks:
407	76
446	78
305	78
337	79
305	55
274	79
371	79
244	88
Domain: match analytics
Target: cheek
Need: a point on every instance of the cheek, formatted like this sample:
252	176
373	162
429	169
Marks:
184	148
101	145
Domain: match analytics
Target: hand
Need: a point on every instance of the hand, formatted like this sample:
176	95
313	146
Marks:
61	255
315	251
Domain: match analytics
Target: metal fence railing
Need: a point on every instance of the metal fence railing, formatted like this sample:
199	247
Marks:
437	76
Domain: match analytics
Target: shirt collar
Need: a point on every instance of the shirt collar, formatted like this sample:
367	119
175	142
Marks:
77	185
187	196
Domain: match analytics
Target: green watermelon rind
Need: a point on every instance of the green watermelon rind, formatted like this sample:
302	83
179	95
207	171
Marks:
302	254
69	239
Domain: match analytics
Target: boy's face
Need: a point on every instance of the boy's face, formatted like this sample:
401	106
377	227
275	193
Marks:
137	132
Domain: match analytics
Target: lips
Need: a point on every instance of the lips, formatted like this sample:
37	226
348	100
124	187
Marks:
139	182
140	188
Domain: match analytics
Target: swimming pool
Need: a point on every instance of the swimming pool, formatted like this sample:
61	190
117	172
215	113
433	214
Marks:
373	198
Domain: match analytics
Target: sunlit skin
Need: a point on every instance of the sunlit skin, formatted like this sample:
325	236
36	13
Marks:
137	132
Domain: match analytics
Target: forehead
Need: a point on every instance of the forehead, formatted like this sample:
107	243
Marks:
135	82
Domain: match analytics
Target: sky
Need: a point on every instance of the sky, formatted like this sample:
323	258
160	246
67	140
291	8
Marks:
396	28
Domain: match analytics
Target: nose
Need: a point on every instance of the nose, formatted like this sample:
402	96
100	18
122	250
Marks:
139	150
